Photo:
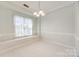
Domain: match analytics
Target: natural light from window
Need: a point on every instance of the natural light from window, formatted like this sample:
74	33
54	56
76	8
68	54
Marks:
23	26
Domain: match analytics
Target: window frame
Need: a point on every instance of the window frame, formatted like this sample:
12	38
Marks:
24	20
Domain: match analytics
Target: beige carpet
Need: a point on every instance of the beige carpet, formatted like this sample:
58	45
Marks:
40	49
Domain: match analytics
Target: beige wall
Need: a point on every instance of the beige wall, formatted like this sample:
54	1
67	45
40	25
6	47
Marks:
7	25
58	26
77	26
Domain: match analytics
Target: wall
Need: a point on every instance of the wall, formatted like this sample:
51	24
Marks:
7	31
77	26
6	25
58	27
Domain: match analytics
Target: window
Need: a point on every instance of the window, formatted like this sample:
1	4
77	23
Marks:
23	26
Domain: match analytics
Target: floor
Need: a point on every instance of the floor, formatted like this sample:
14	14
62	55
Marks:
40	49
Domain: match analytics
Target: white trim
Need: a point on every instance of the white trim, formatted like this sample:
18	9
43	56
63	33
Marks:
13	36
18	39
56	9
16	43
60	33
61	44
76	39
64	45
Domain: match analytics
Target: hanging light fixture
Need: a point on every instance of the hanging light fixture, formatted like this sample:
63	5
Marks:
36	14
40	13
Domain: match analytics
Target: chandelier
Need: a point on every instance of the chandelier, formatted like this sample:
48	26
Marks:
38	14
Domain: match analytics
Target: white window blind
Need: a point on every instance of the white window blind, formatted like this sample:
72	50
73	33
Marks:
23	26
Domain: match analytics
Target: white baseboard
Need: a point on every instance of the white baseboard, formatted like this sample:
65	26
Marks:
64	39
59	43
16	43
77	45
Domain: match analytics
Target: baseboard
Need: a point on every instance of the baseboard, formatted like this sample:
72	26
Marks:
16	43
63	39
77	45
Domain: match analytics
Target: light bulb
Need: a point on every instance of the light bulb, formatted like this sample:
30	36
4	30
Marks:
40	12
43	14
35	13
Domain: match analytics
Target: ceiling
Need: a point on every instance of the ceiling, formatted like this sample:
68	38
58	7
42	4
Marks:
46	6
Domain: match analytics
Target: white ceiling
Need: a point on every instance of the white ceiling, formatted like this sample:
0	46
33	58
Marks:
47	6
